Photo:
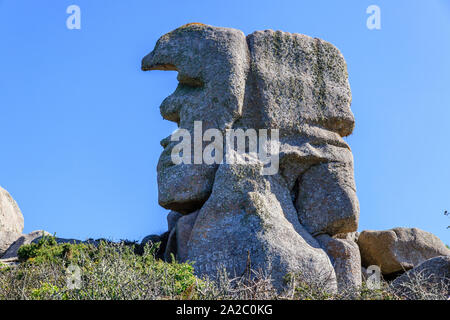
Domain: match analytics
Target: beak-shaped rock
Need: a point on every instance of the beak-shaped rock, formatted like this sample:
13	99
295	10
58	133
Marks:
151	62
215	61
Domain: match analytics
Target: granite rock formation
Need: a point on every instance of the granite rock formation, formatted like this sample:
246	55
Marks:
266	80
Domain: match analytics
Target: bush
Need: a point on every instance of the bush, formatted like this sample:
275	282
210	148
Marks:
108	271
48	250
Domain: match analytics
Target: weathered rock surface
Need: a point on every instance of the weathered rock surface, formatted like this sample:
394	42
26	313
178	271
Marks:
327	199
297	80
433	273
351	236
250	220
11	253
171	248
172	219
399	249
344	255
184	229
177	237
299	85
11	221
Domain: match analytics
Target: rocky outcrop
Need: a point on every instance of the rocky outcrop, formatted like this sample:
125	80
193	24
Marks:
399	249
12	251
432	274
11	221
266	80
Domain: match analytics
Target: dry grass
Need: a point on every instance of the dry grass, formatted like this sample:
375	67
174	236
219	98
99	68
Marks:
115	271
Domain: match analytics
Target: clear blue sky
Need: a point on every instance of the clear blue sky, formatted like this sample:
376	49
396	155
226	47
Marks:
80	124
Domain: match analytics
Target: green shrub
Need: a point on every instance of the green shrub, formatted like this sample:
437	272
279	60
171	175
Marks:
108	271
48	250
45	292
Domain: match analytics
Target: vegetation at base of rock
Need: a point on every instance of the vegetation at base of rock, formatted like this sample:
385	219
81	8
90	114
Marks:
115	271
108	271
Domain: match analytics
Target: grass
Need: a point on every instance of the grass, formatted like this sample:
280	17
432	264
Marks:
120	272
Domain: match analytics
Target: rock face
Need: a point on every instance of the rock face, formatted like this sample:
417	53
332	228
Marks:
296	79
11	221
344	255
328	188
172	219
300	85
433	273
184	229
179	235
399	249
246	218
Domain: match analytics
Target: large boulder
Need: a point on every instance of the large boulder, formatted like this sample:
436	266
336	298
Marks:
429	280
327	199
249	221
344	255
399	249
11	221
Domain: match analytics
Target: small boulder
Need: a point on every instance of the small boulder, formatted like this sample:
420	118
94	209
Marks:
399	249
344	255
